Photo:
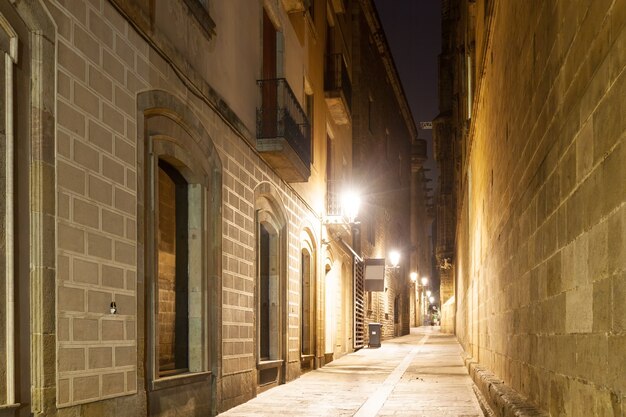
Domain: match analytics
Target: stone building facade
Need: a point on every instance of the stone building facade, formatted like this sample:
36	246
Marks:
171	232
531	140
385	138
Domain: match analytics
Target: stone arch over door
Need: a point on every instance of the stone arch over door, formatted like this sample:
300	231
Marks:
271	290
175	139
27	39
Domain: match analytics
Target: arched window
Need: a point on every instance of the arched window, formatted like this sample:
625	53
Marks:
172	302
182	217
271	290
269	294
308	323
180	285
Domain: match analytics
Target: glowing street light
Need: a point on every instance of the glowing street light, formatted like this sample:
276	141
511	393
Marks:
394	258
413	276
428	293
431	299
424	281
350	204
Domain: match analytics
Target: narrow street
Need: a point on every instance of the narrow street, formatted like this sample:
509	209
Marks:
420	374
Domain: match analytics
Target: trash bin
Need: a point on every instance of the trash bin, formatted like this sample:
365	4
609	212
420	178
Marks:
374	334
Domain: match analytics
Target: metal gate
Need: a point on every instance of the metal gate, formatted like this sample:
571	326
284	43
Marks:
359	305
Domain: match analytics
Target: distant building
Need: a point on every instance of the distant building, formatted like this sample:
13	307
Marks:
173	235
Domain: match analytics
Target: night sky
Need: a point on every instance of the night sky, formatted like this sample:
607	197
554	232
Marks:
413	30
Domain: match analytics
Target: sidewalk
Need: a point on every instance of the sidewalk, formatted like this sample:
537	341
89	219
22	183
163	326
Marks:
420	374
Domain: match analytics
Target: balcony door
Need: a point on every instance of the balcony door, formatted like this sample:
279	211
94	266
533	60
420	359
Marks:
269	93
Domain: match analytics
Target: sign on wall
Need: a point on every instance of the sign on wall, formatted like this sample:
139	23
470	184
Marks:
374	276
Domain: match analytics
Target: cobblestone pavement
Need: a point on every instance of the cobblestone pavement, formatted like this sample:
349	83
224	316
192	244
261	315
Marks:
420	374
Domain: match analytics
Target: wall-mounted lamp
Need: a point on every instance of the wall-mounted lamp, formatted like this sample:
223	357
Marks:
394	258
350	205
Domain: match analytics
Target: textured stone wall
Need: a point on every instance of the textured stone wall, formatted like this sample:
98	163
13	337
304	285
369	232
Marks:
102	64
99	360
97	73
541	253
382	164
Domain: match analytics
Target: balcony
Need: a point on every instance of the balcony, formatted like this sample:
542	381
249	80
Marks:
338	89
283	131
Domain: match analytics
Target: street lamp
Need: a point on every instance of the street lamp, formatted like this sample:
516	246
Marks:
424	281
394	258
413	276
428	293
350	204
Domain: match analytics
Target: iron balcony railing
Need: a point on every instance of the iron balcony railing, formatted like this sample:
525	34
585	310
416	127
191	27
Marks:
337	77
279	115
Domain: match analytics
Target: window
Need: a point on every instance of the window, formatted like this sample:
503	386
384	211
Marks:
307	344
307	304
271	287
181	212
179	216
269	301
173	265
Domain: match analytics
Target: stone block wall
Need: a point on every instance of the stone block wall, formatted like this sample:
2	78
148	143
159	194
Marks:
92	215
541	258
96	202
102	65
